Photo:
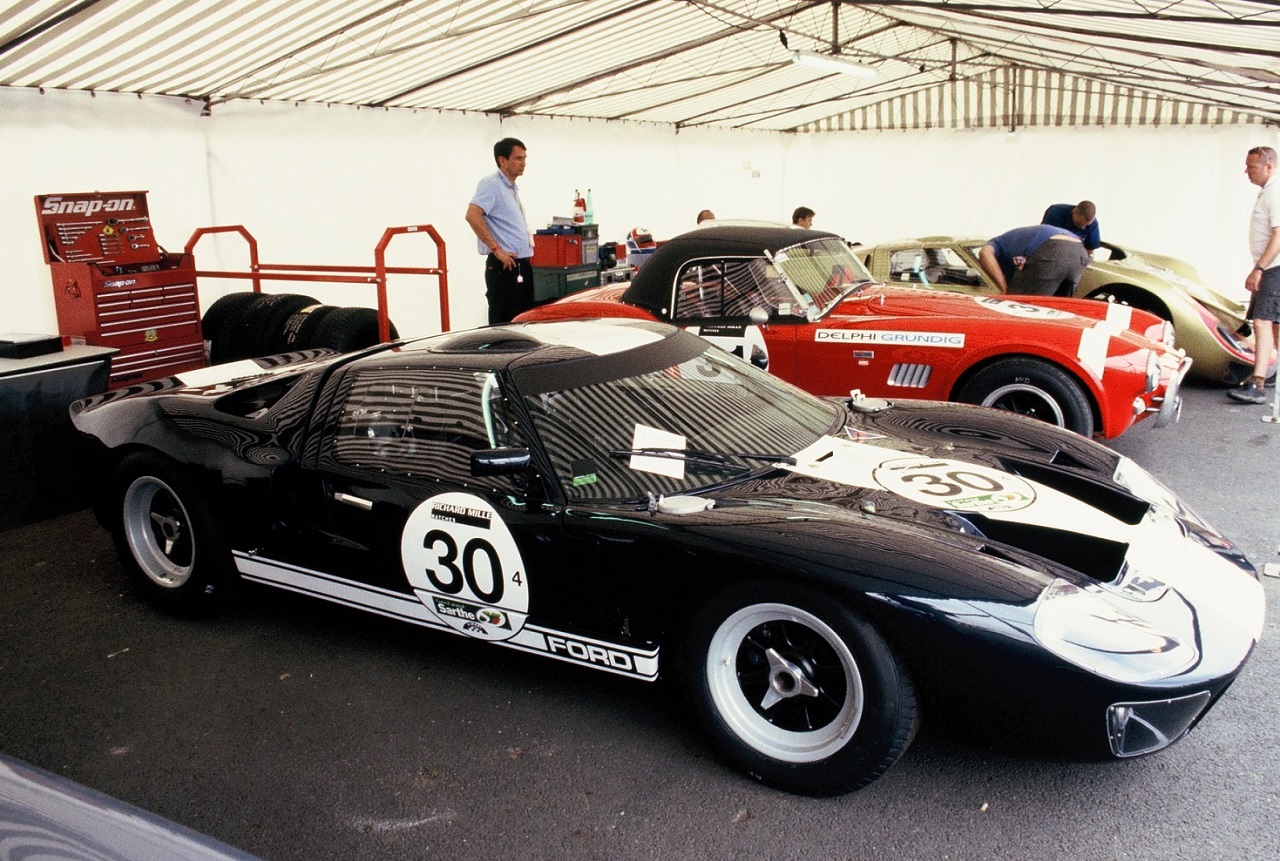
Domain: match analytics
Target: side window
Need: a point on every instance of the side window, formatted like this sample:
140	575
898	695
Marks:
907	264
730	288
421	423
700	291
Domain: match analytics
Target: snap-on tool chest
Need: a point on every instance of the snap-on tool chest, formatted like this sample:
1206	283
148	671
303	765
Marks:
114	286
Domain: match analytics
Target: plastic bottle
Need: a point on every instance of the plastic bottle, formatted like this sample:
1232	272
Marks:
579	207
591	211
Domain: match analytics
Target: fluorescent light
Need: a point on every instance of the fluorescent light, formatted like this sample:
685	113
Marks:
833	63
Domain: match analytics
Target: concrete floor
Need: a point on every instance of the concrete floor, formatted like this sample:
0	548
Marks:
298	730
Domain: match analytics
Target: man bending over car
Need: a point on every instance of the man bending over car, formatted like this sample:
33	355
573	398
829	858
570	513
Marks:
1035	261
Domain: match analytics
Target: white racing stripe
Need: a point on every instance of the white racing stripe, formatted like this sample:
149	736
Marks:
609	657
1157	547
1096	340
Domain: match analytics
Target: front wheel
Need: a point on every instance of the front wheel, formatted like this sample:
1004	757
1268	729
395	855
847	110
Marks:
797	691
166	535
1032	388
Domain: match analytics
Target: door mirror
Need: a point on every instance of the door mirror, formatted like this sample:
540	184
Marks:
500	461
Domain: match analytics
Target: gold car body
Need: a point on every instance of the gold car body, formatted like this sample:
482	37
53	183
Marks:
1209	326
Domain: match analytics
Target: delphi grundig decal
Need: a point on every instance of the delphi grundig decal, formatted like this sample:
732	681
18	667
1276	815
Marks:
465	567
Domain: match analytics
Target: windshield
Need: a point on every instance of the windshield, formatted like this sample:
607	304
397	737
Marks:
823	271
696	423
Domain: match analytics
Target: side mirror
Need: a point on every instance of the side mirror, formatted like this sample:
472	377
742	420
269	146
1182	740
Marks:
758	316
500	461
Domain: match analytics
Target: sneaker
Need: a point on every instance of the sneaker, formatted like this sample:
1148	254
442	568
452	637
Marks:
1249	393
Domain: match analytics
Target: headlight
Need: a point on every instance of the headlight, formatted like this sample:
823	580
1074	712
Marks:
1119	639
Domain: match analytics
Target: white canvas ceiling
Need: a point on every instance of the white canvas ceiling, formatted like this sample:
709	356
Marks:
686	63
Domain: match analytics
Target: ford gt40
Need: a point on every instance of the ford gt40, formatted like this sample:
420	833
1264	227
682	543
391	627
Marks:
801	304
814	574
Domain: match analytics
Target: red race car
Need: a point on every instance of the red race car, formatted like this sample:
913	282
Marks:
799	303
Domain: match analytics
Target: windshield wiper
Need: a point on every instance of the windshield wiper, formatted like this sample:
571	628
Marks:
702	458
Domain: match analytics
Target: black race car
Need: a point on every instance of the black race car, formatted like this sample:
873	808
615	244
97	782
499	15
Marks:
627	497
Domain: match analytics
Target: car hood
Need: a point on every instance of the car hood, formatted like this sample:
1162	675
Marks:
882	300
939	503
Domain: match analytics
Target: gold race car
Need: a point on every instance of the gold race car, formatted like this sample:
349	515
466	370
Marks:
1211	327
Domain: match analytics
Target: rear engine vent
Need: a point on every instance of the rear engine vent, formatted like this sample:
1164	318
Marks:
911	376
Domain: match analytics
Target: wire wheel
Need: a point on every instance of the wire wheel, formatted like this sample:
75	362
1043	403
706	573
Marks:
784	682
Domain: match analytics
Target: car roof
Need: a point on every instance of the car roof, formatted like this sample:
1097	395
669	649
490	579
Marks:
548	355
651	287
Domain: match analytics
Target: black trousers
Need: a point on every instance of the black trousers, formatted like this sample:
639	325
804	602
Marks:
509	291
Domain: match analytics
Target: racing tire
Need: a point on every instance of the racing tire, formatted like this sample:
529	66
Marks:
233	339
299	331
266	321
228	307
166	536
347	329
797	691
1034	388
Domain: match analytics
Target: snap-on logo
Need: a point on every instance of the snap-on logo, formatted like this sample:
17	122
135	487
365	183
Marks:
57	206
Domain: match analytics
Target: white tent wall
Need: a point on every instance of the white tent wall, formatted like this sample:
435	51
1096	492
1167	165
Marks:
1176	190
318	185
63	143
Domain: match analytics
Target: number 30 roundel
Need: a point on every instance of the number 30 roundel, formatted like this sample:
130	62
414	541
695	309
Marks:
465	567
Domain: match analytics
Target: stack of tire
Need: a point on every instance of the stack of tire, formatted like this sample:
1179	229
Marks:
248	325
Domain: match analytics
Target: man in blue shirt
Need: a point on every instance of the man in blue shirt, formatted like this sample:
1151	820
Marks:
497	218
1035	261
1081	219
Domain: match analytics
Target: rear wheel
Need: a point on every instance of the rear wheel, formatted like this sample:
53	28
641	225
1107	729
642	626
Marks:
166	535
797	691
1034	388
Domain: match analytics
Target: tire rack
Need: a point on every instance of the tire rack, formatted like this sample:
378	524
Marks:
376	274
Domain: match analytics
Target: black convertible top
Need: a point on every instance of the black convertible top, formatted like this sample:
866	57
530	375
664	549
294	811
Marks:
651	289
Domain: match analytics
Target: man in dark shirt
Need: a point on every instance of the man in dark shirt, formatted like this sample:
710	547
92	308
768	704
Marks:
1081	219
1035	261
